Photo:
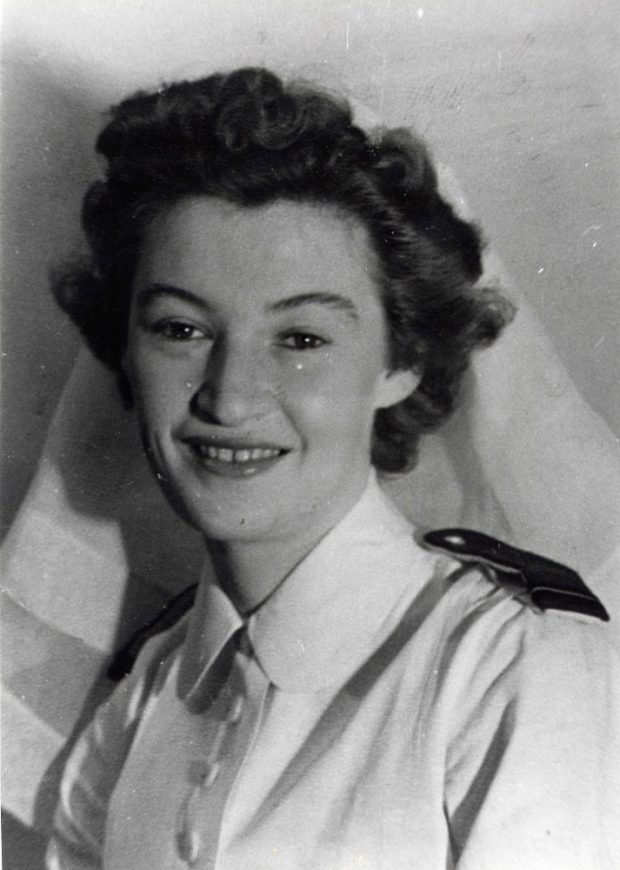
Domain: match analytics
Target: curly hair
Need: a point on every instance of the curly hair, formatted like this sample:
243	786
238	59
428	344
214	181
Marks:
251	139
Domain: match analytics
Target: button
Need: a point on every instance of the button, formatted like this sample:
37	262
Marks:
212	775
234	714
188	846
198	771
202	774
187	838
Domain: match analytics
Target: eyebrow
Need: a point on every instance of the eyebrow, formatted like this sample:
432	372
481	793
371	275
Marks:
153	291
331	300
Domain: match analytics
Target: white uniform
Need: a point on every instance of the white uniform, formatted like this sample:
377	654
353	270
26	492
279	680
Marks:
385	708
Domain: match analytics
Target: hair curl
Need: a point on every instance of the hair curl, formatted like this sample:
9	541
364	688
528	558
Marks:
251	139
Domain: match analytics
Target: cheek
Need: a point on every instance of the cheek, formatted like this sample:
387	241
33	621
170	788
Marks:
159	388
332	403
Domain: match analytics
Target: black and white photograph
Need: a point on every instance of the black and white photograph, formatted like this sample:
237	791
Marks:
310	435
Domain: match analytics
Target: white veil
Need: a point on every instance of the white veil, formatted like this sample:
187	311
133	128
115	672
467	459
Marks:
94	551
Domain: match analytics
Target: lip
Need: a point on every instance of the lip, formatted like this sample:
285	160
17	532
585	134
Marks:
234	458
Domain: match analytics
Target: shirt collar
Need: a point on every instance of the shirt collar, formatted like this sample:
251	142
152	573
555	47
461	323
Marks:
342	600
212	622
330	613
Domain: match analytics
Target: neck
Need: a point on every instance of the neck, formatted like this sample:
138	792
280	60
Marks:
250	571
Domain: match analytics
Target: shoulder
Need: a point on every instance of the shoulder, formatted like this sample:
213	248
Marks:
140	675
512	680
96	761
537	580
155	640
526	709
515	625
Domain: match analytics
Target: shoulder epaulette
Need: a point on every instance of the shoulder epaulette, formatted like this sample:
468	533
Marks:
125	658
549	585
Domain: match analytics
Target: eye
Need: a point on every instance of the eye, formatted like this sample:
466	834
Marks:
177	330
302	341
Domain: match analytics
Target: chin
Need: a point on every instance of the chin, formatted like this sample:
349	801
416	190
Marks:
227	528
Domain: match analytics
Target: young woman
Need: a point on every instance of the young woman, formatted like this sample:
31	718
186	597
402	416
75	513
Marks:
289	304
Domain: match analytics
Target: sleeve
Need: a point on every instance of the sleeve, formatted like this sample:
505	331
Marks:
533	775
96	762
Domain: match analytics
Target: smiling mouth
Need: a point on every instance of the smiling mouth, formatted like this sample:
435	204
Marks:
235	461
228	454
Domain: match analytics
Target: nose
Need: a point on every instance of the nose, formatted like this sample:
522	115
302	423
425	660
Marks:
235	386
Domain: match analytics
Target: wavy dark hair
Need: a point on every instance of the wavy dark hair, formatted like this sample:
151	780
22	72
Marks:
251	139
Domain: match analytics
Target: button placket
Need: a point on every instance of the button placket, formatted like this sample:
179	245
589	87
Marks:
202	774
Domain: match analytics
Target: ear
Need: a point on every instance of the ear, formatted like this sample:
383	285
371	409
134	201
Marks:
396	386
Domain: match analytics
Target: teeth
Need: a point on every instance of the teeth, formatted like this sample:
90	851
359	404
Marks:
226	454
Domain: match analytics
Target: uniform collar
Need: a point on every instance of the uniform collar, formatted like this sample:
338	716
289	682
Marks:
330	613
212	622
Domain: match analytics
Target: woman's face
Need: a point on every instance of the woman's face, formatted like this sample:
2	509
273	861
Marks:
257	357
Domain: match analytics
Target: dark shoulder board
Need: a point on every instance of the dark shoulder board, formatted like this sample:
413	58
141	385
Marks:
549	585
125	658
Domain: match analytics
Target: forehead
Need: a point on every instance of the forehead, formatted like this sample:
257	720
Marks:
206	242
